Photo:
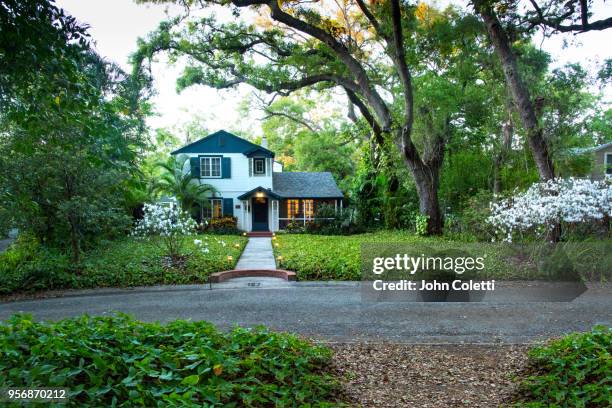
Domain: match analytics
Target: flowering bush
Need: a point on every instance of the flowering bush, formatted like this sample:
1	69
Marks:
547	204
165	226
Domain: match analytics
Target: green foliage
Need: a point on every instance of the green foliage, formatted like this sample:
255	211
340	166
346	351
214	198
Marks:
27	265
573	371
421	224
6	222
177	181
109	361
319	257
71	124
223	225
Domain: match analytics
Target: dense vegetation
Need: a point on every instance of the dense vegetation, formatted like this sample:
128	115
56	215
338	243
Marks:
28	266
333	257
117	361
573	371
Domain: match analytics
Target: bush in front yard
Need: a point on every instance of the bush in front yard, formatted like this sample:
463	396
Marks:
222	225
108	361
28	266
574	371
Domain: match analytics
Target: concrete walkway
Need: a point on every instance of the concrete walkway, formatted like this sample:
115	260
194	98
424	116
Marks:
258	254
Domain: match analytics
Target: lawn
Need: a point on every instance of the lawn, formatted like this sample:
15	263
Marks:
333	257
123	263
117	361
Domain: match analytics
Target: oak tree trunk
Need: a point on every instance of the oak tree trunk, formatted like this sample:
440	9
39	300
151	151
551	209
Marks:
520	93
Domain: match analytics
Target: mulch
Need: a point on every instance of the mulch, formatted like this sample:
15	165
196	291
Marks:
424	376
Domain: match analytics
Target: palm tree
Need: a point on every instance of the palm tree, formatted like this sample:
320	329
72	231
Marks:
179	183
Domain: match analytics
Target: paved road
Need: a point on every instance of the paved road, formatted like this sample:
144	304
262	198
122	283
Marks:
335	312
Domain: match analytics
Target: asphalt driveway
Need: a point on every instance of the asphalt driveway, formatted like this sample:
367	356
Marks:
335	312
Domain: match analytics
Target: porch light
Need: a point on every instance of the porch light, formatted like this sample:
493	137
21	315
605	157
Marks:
259	194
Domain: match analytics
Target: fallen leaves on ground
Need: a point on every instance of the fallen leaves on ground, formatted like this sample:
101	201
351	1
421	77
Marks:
424	376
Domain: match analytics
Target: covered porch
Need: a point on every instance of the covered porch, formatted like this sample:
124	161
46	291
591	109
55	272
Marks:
265	210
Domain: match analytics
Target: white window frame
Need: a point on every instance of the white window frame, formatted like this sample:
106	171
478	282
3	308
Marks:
211	208
308	206
209	166
256	161
607	164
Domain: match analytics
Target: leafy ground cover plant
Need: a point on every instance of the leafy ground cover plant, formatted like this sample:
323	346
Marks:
110	361
573	371
319	257
27	266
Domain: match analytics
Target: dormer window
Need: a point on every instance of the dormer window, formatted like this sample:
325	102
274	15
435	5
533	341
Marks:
210	166
259	166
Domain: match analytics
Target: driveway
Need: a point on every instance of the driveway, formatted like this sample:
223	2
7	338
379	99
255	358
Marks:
334	312
4	243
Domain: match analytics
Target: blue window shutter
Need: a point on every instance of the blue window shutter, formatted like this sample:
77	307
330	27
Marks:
226	167
194	163
228	207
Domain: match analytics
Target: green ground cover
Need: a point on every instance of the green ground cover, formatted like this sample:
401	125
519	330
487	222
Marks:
334	257
573	371
117	361
28	266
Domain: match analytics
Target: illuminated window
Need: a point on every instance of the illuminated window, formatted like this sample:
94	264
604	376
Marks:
293	207
213	210
308	208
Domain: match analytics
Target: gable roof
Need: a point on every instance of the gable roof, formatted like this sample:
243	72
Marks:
305	185
266	191
223	142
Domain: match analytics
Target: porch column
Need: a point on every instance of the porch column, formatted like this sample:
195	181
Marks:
274	224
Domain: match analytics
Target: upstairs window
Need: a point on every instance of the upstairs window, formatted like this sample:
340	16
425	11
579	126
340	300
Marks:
210	166
259	166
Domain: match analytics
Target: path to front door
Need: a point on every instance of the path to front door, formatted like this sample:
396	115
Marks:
258	254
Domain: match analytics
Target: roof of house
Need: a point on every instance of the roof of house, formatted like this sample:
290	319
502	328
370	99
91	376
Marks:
256	190
224	142
305	185
582	150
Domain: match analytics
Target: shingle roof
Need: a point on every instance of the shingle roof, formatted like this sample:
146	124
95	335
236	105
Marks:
305	185
223	142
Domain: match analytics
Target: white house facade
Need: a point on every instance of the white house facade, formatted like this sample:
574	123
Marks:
252	187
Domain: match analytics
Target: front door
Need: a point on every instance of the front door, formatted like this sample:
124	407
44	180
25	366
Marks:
260	214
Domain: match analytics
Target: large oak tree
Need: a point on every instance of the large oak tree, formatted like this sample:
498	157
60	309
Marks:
361	49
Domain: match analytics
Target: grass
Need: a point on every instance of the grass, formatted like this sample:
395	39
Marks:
117	361
123	263
329	257
573	371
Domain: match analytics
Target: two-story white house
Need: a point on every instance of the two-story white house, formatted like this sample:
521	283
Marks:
252	187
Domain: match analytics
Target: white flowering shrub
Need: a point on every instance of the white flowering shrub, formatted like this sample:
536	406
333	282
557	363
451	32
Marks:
165	226
547	204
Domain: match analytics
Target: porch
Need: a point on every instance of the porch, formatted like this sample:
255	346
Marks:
264	210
